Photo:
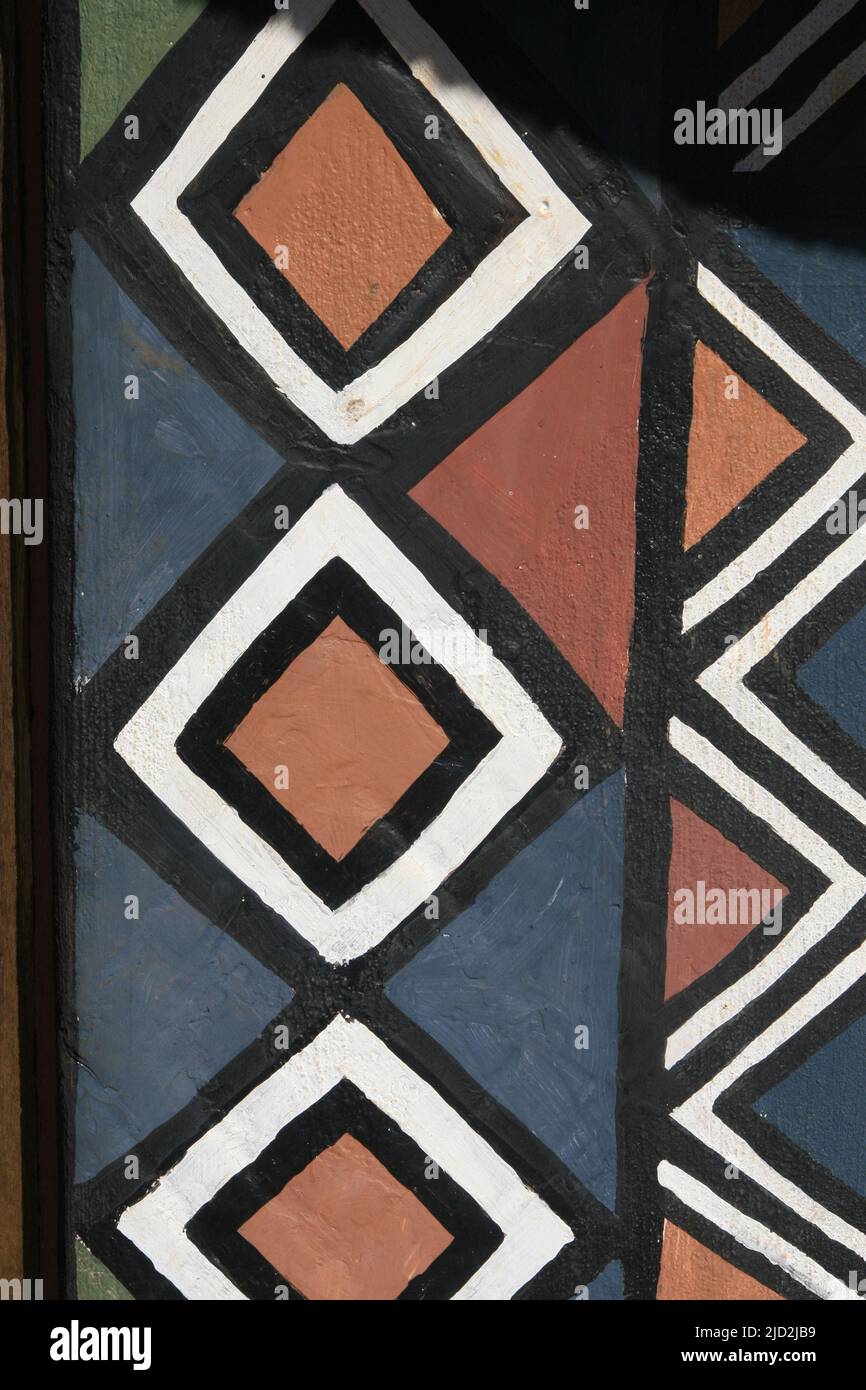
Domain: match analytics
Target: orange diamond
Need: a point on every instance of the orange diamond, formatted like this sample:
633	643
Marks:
343	217
345	1228
350	735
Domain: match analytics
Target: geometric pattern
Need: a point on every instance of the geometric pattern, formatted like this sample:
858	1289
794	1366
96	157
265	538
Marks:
338	684
197	462
146	986
832	678
820	1106
362	280
402	924
408	1238
830	89
702	858
530	1233
708	1110
744	441
690	1271
550	228
566	578
335	528
760	593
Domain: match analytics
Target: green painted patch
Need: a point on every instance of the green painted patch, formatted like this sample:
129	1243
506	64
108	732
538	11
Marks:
121	43
94	1282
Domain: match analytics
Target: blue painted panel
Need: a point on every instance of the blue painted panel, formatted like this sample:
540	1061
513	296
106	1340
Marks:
158	478
835	677
822	1106
536	956
827	281
609	1284
164	1002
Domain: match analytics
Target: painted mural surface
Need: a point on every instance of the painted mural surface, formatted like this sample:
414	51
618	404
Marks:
467	708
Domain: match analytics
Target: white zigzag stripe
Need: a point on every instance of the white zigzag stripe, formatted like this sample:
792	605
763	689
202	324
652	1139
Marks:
818	500
761	75
830	89
724	680
697	1114
752	1234
846	888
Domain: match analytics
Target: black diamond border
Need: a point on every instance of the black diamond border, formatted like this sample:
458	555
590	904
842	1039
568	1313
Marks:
344	1110
117	169
335	591
347	47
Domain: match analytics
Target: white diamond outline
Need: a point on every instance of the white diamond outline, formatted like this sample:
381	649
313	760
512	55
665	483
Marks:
344	1050
335	527
553	227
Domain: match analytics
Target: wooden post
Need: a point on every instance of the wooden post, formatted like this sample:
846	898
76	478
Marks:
30	1186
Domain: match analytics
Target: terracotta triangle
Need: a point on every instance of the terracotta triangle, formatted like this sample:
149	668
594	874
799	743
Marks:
509	495
690	1271
736	441
700	855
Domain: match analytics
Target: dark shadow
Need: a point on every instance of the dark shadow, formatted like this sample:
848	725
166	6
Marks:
617	72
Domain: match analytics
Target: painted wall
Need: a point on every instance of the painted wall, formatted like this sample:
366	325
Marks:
463	687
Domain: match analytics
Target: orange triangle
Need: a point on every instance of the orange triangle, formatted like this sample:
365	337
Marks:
509	495
733	15
690	1271
734	443
700	855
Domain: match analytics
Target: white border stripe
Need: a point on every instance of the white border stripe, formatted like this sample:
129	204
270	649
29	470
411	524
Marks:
762	74
533	1234
846	889
815	503
698	1116
336	527
752	1234
767	340
514	267
724	680
833	88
